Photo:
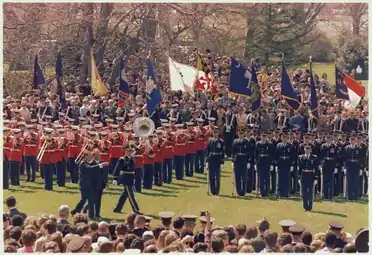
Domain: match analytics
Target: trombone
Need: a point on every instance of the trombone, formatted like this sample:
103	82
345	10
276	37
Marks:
43	149
80	156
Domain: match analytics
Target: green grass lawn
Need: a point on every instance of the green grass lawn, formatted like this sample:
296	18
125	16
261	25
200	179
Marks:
190	197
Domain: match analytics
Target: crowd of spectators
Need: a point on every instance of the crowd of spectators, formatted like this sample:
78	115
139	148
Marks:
61	234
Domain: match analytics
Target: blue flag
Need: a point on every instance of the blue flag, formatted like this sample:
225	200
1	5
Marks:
38	74
240	78
341	88
313	96
153	93
59	76
287	90
255	91
124	92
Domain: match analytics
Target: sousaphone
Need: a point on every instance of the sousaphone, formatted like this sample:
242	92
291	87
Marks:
143	127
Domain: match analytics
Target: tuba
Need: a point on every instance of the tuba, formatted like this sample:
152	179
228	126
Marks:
143	127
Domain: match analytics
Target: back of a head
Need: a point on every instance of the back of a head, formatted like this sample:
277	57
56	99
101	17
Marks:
263	226
10	201
217	244
231	249
307	238
50	226
15	233
200	247
178	222
240	229
251	233
80	217
299	248
107	247
257	244
139	220
330	239
271	238
17	220
150	249
285	239
246	249
288	248
63	211
170	238
28	237
137	244
350	248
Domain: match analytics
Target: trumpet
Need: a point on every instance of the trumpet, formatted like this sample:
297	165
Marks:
47	141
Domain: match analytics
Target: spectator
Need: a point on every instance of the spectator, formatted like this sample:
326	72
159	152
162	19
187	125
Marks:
217	244
47	230
64	212
329	242
12	210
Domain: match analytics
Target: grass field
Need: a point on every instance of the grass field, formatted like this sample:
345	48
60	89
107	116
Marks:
190	197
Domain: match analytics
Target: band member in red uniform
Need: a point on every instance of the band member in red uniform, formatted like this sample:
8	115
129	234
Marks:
15	157
201	141
168	154
116	150
138	166
62	157
62	119
6	154
159	156
148	162
173	125
179	152
47	157
190	149
74	148
32	143
104	148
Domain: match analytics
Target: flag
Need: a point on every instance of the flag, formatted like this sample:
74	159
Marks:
255	90
313	96
154	96
240	79
124	92
204	80
287	90
182	77
348	89
59	76
38	74
98	88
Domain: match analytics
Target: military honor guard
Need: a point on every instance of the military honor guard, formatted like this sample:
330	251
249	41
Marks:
353	169
251	171
190	150
47	157
158	159
215	158
240	160
138	166
149	162
308	171
32	143
6	154
15	156
168	154
284	166
74	149
327	167
264	156
124	174
179	152
201	141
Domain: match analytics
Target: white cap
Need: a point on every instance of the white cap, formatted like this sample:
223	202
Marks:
148	233
101	240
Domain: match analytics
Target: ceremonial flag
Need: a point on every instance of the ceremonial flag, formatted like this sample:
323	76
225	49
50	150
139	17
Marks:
204	80
255	90
59	77
124	92
154	96
98	87
287	90
240	79
348	89
313	96
38	74
182	77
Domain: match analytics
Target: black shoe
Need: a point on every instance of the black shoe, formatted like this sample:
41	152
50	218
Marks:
97	216
116	211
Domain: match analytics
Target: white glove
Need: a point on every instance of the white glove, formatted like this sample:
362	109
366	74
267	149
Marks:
367	173
271	168
249	165
114	182
276	168
320	168
206	165
315	182
336	170
232	164
360	172
344	170
292	168
299	182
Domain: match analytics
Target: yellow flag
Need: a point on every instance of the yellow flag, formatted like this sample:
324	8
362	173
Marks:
98	88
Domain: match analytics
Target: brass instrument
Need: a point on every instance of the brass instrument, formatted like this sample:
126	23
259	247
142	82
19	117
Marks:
47	141
143	127
80	156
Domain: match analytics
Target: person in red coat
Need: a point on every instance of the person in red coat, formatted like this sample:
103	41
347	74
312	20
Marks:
104	148
6	153
62	157
168	153
48	159
148	162
138	166
15	157
32	143
190	149
159	157
202	137
74	148
179	152
116	150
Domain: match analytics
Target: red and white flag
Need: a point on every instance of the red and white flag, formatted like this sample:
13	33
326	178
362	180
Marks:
355	90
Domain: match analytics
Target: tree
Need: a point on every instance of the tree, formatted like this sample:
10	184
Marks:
358	12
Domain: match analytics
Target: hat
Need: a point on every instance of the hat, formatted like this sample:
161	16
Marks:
16	110
163	120
166	215
200	120
104	133
174	105
179	125
335	225
81	119
109	120
48	130
6	129
57	126
22	123
286	224
76	243
33	120
98	125
95	115
119	119
61	130
131	114
148	218
92	133
172	119
203	219
190	123
166	125
16	130
211	119
296	229
148	235
189	217
31	126
114	126
74	128
101	240
128	147
49	117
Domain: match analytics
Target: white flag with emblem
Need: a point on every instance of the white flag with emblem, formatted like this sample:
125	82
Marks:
182	77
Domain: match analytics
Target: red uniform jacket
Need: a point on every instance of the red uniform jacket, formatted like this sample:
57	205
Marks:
168	148
116	148
159	156
32	144
62	152
139	157
104	149
202	139
50	155
148	159
180	145
75	146
16	149
6	147
190	144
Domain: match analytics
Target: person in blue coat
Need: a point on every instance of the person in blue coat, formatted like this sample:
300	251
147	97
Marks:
264	155
215	158
124	174
327	158
309	174
284	165
239	154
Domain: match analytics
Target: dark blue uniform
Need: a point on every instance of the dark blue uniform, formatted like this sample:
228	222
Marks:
229	132
273	173
86	182
294	173
240	159
338	176
251	173
264	155
327	157
124	174
308	170
363	181
353	167
215	157
284	161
